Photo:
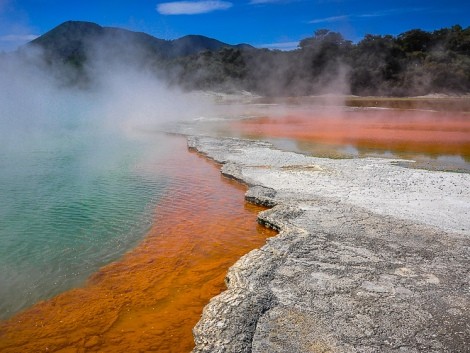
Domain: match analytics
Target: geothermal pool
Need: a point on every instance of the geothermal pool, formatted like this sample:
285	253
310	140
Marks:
434	140
151	298
83	198
74	198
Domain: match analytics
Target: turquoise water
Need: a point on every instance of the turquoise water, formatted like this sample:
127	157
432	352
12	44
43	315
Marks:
75	195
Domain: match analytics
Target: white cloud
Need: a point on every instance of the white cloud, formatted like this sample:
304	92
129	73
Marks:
352	17
255	2
329	19
10	42
192	7
391	12
265	2
18	37
280	46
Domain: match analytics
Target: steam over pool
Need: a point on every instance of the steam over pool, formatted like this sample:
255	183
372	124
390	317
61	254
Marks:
72	200
79	174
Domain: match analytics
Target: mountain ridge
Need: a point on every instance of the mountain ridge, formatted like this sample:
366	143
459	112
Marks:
415	62
70	41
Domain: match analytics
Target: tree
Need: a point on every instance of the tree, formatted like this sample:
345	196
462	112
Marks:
415	40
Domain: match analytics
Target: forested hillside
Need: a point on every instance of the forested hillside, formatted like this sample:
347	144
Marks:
413	63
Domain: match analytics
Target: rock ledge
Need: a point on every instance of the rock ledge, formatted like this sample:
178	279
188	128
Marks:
345	274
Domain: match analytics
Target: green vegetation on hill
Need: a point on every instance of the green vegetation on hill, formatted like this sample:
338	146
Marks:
413	63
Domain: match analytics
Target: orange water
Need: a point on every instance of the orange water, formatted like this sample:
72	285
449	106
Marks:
396	131
151	299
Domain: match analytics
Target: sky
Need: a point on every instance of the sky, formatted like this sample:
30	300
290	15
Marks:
276	24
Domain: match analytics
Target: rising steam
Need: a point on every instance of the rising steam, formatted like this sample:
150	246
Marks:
33	95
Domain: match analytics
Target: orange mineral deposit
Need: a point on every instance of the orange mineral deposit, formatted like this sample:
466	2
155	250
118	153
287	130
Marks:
426	132
150	300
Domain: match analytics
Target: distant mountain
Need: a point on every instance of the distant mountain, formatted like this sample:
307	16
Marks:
73	40
412	63
193	44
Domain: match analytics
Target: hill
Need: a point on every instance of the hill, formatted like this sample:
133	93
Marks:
73	41
413	63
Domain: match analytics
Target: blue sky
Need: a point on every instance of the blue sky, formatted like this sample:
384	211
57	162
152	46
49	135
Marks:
269	23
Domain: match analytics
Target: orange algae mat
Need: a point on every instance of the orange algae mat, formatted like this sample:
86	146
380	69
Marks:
433	133
151	299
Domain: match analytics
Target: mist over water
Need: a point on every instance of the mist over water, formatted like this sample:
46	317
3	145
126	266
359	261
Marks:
79	175
63	215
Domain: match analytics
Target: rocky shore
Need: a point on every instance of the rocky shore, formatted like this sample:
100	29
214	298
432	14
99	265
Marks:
371	257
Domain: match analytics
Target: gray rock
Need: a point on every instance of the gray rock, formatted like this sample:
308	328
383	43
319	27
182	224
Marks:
343	274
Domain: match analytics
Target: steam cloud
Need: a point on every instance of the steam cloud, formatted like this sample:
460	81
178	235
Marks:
117	94
73	136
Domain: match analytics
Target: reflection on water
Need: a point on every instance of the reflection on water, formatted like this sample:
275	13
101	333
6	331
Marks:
437	103
150	300
435	140
453	163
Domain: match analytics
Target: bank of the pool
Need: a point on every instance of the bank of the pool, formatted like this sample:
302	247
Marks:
370	257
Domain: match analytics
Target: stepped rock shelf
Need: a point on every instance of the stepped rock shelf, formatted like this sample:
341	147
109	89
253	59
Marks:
371	257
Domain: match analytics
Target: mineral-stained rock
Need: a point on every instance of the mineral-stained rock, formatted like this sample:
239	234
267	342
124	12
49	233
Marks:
344	274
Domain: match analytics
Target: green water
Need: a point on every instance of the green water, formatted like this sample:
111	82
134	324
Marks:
74	195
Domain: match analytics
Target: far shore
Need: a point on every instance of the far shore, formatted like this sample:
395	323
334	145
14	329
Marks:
434	101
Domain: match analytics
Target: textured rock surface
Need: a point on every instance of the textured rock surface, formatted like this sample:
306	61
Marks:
370	257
